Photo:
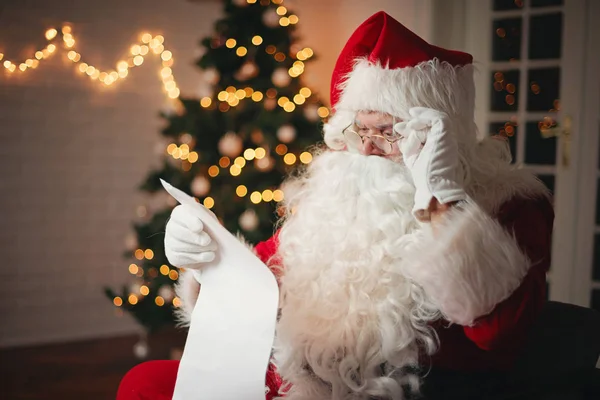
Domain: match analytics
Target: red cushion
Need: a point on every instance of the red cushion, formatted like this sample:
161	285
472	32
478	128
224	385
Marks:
151	380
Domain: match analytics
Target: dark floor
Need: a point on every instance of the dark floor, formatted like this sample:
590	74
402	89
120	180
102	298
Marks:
86	370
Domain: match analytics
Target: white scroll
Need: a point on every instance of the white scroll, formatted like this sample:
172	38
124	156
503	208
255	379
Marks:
229	343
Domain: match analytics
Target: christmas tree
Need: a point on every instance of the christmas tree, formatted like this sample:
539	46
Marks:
230	148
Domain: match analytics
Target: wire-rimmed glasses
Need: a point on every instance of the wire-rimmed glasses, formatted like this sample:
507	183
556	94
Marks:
384	139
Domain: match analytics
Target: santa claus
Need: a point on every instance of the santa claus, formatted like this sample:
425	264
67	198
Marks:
411	250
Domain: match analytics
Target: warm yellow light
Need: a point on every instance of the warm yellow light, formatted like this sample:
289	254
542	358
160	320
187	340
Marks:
166	71
293	19
171	148
149	254
209	202
305	92
103	76
174	93
251	1
206	102
139	254
240	162
11	68
83	67
306	157
222	96
174	274
249	154
235	170
282	101
159	301
323	112
289	159
45	53
95	74
278	195
241	51
240	93
39	55
159	38
36	62
170	85
7	64
135	49
233	101
256	197
176	302
289	107
213	171
23	66
123	74
193	157
284	21
230	43
166	55
51	33
241	191
117	301
144	290
257	40
71	55
299	99
260	153
309	52
144	50
164	269
279	57
276	1
133	269
138	60
66	29
132	299
257	96
230	89
267	195
51	48
146	38
281	10
114	75
29	62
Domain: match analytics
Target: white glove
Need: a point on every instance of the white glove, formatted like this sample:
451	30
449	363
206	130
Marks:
187	245
430	152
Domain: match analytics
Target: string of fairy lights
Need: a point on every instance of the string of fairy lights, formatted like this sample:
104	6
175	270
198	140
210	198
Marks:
154	45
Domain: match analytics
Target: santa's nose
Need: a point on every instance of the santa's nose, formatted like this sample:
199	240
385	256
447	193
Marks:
369	149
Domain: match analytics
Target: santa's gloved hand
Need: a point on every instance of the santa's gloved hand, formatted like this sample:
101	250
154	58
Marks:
187	244
430	151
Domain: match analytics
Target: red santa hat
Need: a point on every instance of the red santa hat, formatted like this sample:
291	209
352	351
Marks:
387	68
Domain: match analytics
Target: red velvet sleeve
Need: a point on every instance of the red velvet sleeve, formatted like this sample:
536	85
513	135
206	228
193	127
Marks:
267	251
506	326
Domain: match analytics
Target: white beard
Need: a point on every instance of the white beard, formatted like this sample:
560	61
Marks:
346	310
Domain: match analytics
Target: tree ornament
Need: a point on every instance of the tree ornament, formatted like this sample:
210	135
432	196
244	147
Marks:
200	186
311	112
141	349
248	220
211	76
286	133
270	18
265	164
248	70
166	292
281	77
230	145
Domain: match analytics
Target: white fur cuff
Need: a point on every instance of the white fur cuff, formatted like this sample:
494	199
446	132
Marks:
470	266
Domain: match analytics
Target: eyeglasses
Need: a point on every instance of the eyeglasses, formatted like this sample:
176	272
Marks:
381	138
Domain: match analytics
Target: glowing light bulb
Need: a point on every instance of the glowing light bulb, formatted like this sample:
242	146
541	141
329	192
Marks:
117	301
241	191
230	43
306	157
51	33
289	159
249	154
209	203
256	197
257	40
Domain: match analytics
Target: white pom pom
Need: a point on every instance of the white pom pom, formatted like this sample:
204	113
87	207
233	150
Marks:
230	145
248	220
286	133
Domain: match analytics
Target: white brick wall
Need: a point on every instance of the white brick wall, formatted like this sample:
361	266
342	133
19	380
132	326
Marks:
72	154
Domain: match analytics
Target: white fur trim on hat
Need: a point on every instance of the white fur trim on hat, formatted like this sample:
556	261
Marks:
372	87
